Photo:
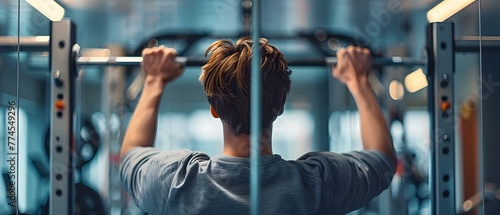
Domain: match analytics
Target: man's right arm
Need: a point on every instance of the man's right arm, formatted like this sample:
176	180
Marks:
352	68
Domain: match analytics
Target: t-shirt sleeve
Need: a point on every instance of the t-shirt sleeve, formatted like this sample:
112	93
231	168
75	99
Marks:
146	174
352	179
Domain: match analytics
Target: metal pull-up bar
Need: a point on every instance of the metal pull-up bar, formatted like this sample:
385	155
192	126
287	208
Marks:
42	43
200	61
462	44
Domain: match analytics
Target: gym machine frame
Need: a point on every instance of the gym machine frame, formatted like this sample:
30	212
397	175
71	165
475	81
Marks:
64	59
441	46
440	72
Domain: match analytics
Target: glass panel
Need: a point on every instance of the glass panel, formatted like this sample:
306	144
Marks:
467	84
14	191
489	102
24	74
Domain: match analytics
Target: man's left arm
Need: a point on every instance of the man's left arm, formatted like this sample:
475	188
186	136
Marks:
160	68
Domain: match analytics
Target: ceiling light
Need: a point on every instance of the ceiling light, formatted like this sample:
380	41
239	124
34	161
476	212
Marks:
396	90
446	9
415	81
48	8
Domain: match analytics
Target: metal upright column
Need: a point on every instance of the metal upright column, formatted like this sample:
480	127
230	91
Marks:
441	68
255	112
62	140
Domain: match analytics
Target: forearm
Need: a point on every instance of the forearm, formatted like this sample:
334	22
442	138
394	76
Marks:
374	131
141	130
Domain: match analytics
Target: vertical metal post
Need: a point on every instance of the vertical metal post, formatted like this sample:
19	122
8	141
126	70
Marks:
113	102
255	112
62	140
246	16
441	68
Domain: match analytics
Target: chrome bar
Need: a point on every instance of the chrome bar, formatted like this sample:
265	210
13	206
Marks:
471	43
386	61
200	61
124	61
26	43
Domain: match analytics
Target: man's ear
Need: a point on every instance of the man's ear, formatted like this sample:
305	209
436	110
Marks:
214	114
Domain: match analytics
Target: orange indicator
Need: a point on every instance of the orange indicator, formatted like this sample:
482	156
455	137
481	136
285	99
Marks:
445	106
59	105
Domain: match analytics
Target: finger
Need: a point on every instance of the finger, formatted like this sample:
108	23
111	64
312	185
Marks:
171	53
181	67
145	51
159	49
336	68
351	49
164	61
180	70
147	56
153	49
344	59
359	49
366	51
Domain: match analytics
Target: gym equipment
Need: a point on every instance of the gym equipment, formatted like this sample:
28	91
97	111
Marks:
87	202
41	43
440	70
255	113
64	51
86	147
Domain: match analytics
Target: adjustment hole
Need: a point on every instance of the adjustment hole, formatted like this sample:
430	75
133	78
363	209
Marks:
58	192
446	150
443	45
59	149
61	44
446	193
446	178
59	176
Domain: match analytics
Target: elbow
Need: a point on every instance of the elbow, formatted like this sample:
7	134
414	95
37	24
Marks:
390	152
122	155
392	157
123	151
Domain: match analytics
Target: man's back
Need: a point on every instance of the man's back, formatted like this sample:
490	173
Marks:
185	182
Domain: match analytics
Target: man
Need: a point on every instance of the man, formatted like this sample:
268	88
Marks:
186	182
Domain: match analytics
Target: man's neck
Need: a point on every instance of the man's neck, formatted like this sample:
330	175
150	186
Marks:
239	145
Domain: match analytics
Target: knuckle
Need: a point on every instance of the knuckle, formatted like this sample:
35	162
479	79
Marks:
341	52
146	51
171	52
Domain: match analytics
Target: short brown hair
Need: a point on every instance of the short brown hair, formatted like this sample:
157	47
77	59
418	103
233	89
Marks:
226	81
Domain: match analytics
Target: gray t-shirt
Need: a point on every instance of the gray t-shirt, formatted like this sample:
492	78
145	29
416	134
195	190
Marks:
186	182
